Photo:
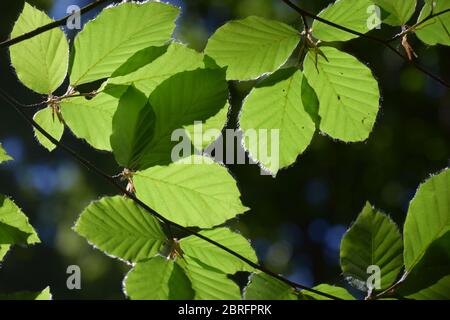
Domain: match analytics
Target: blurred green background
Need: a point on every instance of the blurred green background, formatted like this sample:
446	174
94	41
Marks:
296	220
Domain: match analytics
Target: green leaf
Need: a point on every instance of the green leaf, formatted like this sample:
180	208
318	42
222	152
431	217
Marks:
437	30
178	58
191	192
4	248
201	250
196	132
428	218
25	295
427	241
430	278
252	46
347	91
440	290
12	235
91	119
373	239
40	62
326	288
98	51
200	95
4	157
209	283
396	12
50	123
133	127
352	14
139	60
44	295
119	227
158	279
265	287
14	225
283	102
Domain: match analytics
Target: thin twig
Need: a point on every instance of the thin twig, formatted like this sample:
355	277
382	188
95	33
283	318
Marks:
305	23
28	105
113	182
49	26
418	24
385	43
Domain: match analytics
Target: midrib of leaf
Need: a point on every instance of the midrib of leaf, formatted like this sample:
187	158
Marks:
133	224
137	234
372	242
42	52
285	98
259	37
262	38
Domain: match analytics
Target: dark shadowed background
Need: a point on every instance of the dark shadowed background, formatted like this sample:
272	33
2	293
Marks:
296	221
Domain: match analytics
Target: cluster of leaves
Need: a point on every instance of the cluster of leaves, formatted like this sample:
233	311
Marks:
374	240
16	230
353	14
151	85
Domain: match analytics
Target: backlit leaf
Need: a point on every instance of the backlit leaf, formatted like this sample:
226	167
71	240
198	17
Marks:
133	127
14	225
372	240
192	192
252	47
91	119
121	228
178	58
436	30
352	14
4	157
347	91
158	279
25	295
99	51
429	279
179	102
265	287
396	12
50	123
283	104
338	292
201	250
428	218
40	62
209	283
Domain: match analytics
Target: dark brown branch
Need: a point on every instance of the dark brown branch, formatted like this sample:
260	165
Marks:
385	43
305	23
18	108
49	26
